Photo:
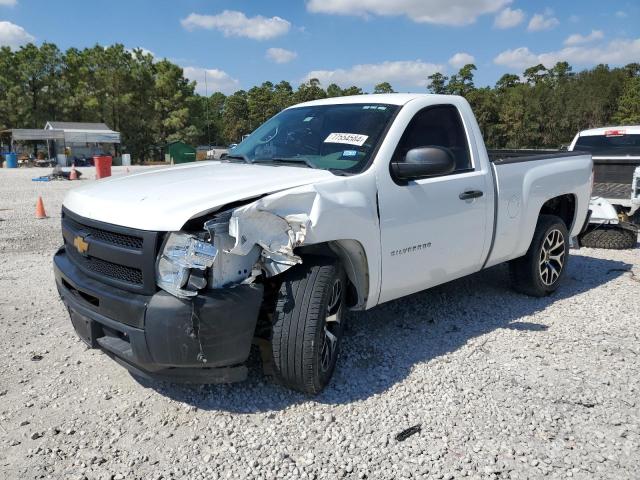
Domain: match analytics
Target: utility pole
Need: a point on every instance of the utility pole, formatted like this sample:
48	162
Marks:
206	93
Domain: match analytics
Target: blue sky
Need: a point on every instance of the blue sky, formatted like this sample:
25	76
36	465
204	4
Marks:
363	42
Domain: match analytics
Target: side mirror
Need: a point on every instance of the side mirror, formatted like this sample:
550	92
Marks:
424	162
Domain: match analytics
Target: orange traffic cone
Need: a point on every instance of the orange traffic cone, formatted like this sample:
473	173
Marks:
73	175
40	213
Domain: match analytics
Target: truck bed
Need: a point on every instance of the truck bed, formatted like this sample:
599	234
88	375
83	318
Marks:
524	181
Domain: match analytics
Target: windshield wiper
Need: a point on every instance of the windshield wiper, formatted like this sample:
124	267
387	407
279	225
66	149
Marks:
308	163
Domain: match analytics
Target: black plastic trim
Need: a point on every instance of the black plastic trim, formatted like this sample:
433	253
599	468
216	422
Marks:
534	158
585	225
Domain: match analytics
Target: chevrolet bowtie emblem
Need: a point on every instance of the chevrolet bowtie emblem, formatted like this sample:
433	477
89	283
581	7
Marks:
81	245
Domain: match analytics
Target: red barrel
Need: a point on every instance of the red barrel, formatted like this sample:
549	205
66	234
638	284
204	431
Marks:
103	165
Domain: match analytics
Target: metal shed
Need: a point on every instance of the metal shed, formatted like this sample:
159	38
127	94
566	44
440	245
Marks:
34	134
64	142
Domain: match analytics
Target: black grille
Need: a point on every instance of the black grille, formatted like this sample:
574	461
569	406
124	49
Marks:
114	238
121	273
120	256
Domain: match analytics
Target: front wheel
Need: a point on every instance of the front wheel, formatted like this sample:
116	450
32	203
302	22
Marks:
308	324
539	272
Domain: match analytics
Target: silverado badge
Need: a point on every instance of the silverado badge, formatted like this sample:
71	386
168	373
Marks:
81	244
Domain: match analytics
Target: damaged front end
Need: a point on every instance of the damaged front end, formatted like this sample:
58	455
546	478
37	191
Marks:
235	247
213	281
276	236
182	263
216	280
184	332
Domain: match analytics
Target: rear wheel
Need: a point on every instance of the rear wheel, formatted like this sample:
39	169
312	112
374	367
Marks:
540	270
615	238
308	324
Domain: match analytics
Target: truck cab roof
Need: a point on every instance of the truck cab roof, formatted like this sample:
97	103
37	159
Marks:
628	130
386	98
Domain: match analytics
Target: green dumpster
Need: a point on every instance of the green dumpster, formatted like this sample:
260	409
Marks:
180	152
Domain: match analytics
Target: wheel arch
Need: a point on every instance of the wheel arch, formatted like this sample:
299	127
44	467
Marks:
353	258
562	206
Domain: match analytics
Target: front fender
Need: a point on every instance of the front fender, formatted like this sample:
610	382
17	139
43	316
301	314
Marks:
340	213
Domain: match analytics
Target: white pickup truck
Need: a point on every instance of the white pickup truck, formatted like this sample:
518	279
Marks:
615	202
336	204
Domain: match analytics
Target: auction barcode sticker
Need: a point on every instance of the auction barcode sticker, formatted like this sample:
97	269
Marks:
347	138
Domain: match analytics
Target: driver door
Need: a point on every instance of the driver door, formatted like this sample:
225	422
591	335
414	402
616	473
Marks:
432	231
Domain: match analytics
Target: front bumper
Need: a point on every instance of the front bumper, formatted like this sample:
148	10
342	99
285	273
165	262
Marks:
201	340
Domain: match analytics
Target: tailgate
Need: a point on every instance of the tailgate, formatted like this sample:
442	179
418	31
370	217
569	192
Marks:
612	190
615	170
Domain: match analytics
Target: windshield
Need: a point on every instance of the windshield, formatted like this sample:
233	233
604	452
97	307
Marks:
612	145
329	137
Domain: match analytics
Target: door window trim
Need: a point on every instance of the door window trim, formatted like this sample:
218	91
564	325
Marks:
466	137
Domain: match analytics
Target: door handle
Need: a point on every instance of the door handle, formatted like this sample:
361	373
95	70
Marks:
469	194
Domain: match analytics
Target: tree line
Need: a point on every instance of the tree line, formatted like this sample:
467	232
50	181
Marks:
151	102
546	107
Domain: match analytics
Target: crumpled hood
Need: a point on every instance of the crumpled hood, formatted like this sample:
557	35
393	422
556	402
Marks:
165	199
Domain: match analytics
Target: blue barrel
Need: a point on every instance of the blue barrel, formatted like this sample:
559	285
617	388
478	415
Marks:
11	160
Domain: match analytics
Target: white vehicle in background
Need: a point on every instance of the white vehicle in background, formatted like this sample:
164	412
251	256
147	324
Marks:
615	202
216	153
336	204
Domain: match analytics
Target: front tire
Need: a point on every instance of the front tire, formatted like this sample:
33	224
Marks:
308	324
539	272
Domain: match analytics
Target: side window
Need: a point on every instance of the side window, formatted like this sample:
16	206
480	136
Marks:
439	126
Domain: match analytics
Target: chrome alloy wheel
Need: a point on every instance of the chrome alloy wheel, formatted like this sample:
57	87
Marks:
551	260
332	325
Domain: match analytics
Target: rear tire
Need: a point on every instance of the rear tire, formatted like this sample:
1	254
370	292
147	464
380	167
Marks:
615	238
538	273
308	324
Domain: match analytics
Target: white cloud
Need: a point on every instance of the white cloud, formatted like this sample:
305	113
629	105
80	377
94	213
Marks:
280	55
217	80
616	52
517	58
403	73
508	18
12	35
142	49
577	39
237	24
8	3
446	12
461	59
621	14
574	18
542	21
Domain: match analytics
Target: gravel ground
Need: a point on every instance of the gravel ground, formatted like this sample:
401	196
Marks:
501	385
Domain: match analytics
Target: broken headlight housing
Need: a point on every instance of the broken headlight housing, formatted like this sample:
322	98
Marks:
181	265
